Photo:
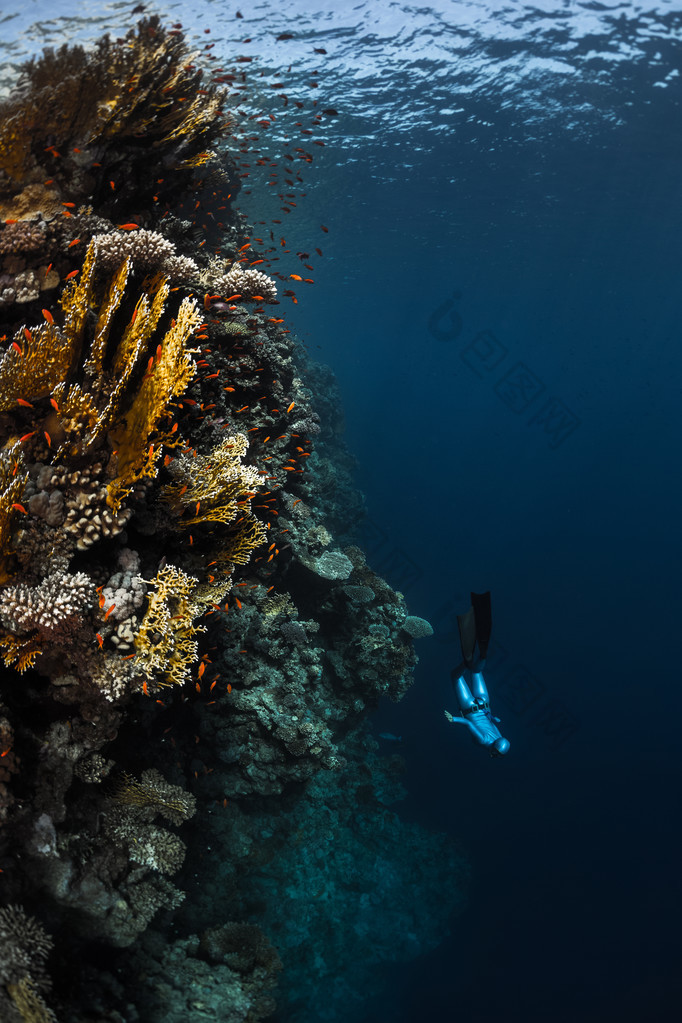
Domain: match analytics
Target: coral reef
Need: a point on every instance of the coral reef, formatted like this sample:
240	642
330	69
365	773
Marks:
191	641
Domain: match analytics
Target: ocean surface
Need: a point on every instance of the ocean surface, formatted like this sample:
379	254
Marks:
499	298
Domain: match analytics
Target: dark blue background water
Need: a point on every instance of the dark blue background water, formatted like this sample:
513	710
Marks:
568	252
530	160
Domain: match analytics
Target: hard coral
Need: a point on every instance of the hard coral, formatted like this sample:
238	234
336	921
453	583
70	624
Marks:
78	117
148	251
24	947
245	283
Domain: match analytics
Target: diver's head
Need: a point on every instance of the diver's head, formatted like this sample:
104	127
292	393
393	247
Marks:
500	747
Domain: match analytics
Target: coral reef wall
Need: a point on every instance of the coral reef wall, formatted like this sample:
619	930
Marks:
189	650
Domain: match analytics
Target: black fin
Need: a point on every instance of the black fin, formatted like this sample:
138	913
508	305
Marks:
467	636
480	603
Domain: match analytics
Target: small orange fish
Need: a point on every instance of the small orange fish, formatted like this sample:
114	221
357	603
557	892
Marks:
48	315
296	277
20	508
145	690
76	241
128	227
26	404
100	641
291	406
72	274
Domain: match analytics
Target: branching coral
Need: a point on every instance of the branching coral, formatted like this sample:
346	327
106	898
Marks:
29	1002
245	283
25	945
166	642
216	486
156	796
148	251
12	482
75	109
42	362
48	609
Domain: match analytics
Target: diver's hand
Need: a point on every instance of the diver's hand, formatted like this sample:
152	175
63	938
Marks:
448	716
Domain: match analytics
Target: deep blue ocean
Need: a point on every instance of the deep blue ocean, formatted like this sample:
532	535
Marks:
499	298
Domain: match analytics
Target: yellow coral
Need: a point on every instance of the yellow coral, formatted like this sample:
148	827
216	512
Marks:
21	653
155	794
216	486
165	641
43	360
13	479
243	537
144	86
34	364
167	377
31	1006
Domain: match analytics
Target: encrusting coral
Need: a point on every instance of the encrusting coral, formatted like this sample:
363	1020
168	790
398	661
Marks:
189	637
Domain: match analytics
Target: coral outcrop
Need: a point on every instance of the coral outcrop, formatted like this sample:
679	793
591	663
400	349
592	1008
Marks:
191	640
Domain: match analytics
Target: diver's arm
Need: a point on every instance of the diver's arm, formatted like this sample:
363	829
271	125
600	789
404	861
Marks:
459	721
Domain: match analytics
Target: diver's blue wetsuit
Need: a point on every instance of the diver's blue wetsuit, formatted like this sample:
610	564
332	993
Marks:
475	713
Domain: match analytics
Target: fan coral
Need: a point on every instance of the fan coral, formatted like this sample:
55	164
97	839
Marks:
78	117
166	641
155	795
216	486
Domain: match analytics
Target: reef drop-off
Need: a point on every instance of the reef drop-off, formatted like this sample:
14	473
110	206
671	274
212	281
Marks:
194	819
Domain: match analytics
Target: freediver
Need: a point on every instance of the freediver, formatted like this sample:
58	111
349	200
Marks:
474	705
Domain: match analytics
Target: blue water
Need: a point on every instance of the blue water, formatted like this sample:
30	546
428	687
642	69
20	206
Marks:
499	299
